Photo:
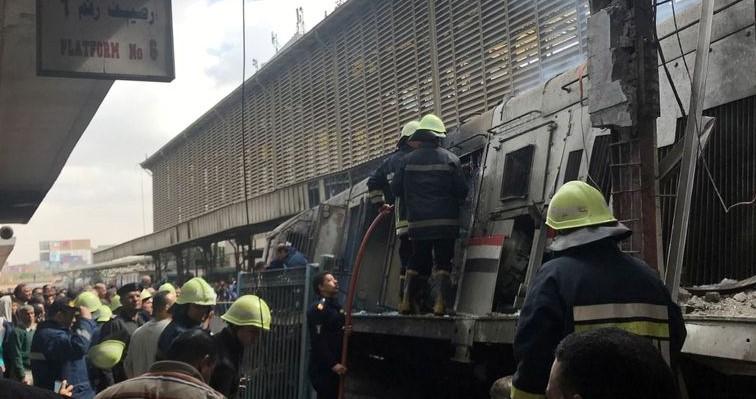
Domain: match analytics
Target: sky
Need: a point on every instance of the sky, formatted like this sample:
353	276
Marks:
102	193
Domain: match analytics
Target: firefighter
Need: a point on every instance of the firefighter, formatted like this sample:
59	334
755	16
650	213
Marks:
432	186
120	328
589	284
379	186
192	308
325	324
246	319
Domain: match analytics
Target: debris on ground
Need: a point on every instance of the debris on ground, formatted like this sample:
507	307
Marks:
726	286
741	304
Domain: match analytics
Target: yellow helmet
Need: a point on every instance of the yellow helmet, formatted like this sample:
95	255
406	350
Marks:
580	213
105	314
145	294
106	354
434	124
409	128
89	300
577	204
198	292
249	310
115	302
167	287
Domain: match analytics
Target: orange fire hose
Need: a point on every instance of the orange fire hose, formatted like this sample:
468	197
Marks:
385	211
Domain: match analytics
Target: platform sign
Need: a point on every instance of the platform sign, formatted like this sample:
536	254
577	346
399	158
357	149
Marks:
105	39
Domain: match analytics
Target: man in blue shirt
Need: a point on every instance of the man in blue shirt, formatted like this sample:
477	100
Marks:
287	257
59	346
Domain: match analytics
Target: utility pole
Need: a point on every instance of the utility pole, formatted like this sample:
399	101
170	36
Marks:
624	96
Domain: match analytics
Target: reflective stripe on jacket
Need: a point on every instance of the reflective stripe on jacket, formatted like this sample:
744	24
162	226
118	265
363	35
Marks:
57	353
432	187
584	288
380	186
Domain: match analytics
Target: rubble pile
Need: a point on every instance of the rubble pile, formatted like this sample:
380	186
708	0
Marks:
740	304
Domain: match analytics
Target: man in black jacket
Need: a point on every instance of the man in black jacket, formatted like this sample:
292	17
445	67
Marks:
432	186
590	284
125	321
380	193
325	323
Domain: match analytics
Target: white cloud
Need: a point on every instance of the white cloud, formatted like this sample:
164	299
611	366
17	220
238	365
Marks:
99	193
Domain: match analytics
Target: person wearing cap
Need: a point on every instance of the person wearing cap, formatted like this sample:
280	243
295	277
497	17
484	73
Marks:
380	193
432	186
120	328
59	346
145	314
192	308
188	365
589	284
143	346
246	319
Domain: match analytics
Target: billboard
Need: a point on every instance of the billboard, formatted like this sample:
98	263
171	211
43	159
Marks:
118	39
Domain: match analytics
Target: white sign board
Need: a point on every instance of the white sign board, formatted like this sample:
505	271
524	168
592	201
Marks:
105	39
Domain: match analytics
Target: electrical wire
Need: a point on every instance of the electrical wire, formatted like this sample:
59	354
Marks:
697	128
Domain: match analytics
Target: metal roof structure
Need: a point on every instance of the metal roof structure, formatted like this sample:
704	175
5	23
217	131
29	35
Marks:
41	118
337	97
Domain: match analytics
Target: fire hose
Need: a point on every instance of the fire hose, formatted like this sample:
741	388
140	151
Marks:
385	211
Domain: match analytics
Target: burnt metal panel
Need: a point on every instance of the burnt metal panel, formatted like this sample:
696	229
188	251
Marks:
719	244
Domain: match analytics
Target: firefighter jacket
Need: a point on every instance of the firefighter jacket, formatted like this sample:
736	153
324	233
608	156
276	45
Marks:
120	328
432	186
57	354
225	378
379	186
325	323
589	287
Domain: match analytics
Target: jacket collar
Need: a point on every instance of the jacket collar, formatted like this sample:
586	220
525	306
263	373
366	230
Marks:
166	366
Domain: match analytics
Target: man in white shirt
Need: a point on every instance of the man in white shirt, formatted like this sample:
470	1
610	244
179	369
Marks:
144	342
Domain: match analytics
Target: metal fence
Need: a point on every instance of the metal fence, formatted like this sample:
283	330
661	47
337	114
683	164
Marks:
275	368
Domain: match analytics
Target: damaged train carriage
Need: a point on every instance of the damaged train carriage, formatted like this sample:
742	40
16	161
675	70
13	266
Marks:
515	156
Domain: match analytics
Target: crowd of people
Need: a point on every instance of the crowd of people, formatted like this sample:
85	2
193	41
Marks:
149	340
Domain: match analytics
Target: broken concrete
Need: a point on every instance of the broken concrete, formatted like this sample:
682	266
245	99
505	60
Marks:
741	304
613	65
712	297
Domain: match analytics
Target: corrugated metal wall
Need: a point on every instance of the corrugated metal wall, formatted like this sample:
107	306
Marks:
338	98
720	244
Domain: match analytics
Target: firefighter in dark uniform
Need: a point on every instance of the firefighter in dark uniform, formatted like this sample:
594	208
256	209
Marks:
589	284
246	320
325	323
432	187
379	192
